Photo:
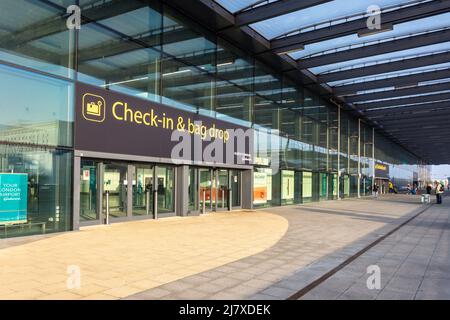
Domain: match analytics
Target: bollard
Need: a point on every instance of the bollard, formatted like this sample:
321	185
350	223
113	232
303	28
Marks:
223	199
155	204
147	202
107	207
230	199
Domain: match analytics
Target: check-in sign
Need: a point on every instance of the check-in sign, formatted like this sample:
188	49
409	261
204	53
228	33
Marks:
13	197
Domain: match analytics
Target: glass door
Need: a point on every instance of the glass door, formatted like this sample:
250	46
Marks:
222	186
143	190
115	182
205	188
88	191
165	185
193	189
235	177
323	186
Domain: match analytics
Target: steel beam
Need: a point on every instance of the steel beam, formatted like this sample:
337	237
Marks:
347	28
403	101
380	68
414	123
374	114
376	49
274	9
397	93
400	81
415	118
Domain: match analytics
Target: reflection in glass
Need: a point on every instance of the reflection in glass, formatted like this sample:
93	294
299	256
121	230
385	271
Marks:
235	188
307	184
49	185
193	189
32	35
88	190
205	188
41	116
222	189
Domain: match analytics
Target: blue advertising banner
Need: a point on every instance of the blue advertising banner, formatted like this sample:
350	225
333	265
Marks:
13	197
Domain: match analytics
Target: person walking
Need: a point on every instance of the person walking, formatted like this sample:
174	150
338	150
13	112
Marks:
429	188
391	187
375	191
439	191
408	189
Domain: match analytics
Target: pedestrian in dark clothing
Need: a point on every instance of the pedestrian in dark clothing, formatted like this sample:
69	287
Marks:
429	188
439	192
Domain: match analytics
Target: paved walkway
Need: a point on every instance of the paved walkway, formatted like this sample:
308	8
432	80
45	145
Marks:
414	263
122	259
266	254
320	236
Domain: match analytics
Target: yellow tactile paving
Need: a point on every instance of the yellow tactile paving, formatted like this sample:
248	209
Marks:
122	259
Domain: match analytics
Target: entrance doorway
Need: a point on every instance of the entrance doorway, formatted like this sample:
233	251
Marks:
217	190
129	190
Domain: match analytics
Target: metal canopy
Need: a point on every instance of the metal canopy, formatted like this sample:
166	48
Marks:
397	79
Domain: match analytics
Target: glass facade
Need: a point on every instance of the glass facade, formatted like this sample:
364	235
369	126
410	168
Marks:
306	149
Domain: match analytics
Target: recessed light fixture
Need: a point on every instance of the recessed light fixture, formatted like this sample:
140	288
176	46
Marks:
290	50
225	63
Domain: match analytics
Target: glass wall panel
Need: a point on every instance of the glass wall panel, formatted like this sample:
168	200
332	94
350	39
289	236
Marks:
46	190
234	85
267	88
34	34
188	65
307	185
43	116
323	186
122	52
262	187
287	186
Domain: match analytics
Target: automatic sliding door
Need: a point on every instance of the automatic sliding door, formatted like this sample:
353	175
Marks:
205	188
165	185
115	182
88	191
222	186
142	191
235	188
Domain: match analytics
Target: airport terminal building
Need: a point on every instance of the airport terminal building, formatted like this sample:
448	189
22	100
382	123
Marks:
155	108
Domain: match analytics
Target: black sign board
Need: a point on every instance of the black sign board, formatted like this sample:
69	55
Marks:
112	122
381	170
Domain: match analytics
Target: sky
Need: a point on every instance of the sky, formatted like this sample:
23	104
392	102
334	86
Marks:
440	172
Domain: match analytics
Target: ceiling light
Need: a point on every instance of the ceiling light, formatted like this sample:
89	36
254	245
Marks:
176	72
225	63
293	49
124	81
